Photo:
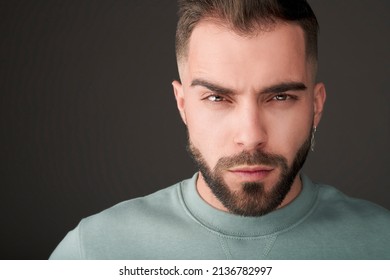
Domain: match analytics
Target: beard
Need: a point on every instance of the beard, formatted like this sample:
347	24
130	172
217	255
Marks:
253	199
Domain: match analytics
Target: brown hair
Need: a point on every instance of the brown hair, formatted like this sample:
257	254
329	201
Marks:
245	17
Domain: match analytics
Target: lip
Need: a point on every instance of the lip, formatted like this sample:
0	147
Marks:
251	173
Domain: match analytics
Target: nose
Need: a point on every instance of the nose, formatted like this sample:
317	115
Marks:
250	132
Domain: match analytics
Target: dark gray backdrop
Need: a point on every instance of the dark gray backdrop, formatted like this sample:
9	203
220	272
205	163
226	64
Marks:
88	117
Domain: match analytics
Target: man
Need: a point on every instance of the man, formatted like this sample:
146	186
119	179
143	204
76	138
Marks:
249	99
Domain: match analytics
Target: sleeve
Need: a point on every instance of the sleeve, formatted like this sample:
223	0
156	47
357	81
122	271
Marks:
69	248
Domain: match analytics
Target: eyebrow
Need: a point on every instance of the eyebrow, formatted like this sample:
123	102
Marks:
277	88
211	86
283	87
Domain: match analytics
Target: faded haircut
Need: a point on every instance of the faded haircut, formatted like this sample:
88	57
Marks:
246	18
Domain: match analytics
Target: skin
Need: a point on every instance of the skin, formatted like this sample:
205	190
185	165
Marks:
248	93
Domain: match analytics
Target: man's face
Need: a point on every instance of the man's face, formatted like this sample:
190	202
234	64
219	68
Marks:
249	104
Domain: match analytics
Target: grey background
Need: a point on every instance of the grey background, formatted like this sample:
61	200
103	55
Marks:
88	117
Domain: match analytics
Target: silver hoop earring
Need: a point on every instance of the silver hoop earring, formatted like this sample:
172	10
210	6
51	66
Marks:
313	140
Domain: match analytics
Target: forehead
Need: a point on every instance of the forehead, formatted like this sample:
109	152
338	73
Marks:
219	53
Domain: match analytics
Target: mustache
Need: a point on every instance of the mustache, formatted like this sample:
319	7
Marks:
251	158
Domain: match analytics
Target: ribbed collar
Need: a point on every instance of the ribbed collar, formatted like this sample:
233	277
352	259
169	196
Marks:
235	225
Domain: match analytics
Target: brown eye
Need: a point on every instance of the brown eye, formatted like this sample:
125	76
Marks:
281	97
215	98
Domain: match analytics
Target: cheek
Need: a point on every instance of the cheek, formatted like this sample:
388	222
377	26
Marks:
287	134
209	132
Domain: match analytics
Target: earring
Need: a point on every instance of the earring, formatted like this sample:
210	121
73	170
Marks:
313	141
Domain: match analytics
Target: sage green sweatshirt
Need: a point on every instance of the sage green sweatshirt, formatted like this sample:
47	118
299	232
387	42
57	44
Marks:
175	223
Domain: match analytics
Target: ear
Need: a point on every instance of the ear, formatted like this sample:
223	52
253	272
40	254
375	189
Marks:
179	95
319	101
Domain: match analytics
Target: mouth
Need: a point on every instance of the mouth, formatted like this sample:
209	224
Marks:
251	173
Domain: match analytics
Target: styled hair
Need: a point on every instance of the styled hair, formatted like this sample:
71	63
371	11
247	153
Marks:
246	17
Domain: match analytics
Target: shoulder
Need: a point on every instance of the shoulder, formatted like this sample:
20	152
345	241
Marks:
113	233
330	197
352	213
147	207
351	228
